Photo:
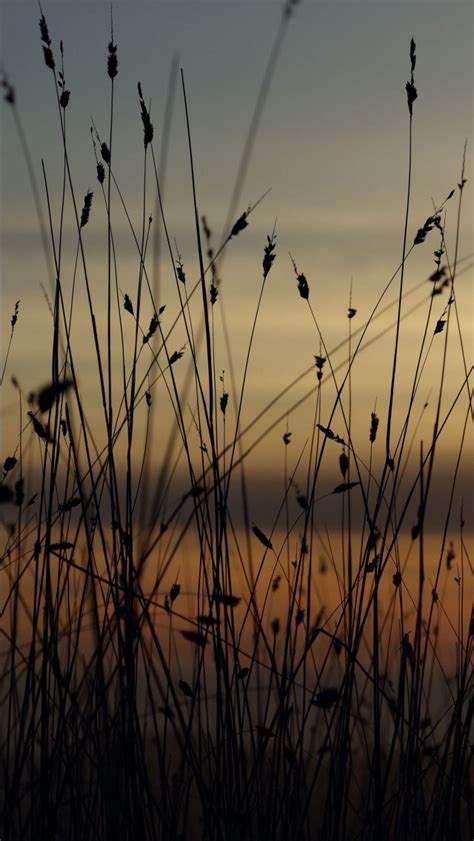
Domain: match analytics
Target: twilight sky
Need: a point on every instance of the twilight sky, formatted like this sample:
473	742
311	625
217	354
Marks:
332	146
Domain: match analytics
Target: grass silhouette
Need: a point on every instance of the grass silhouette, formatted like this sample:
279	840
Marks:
231	696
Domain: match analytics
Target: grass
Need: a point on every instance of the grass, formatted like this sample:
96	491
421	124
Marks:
175	662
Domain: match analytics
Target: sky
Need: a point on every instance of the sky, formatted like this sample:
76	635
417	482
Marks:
331	147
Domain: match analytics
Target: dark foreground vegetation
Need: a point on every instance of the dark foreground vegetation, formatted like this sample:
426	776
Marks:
169	669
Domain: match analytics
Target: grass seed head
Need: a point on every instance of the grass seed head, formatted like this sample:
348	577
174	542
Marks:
269	254
151	329
374	425
14	317
240	225
48	58
224	401
49	394
112	61
127	304
343	463
9	90
104	151
174	592
9	464
193	636
145	115
64	99
175	356
319	362
303	287
180	270
86	209
299	618
44	31
412	55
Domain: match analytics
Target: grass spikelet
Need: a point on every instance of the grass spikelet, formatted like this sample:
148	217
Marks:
145	115
44	32
153	326
330	434
343	464
49	394
112	61
262	537
127	304
204	619
397	579
86	209
319	362
64	99
14	317
49	58
422	233
105	152
412	92
8	90
374	425
269	254
180	269
346	486
239	225
9	464
195	637
302	283
303	287
38	427
178	354
174	592
223	401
